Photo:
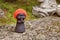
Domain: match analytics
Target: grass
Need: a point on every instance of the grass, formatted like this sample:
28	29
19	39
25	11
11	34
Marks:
11	7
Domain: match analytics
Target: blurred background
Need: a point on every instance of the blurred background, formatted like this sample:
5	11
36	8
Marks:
9	6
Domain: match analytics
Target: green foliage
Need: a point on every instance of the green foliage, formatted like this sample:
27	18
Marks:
11	7
10	0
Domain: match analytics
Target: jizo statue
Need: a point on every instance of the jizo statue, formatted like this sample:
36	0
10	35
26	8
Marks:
20	15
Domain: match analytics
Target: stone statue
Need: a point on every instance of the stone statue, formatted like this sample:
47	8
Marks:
45	8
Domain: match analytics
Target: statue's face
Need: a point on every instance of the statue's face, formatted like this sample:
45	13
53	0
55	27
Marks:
40	0
20	18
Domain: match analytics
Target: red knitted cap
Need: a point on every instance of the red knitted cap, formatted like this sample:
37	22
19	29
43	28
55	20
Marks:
18	11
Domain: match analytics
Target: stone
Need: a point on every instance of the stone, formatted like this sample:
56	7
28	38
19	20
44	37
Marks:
2	14
46	8
58	10
47	28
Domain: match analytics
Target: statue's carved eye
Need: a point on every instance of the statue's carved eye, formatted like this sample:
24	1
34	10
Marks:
20	17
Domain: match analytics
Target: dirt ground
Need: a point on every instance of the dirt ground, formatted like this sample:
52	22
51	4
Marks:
47	28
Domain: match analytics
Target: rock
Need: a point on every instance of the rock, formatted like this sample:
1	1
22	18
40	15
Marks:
39	12
58	10
40	0
1	13
46	8
47	28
